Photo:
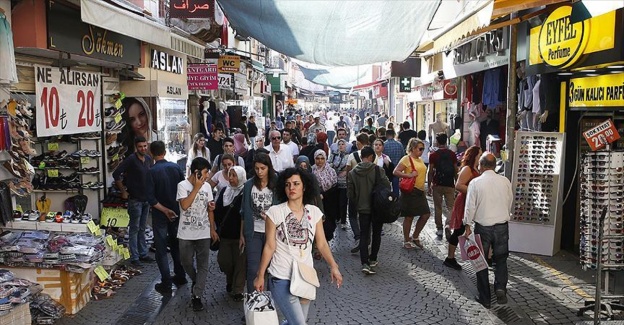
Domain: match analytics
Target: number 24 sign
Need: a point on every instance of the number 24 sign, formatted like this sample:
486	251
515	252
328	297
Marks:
68	101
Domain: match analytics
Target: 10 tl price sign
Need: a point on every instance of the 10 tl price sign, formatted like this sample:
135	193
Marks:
68	102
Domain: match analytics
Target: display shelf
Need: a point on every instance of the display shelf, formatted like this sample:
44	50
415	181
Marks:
74	190
49	226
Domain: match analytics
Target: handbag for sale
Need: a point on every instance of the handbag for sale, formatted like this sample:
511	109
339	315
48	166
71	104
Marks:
406	185
303	278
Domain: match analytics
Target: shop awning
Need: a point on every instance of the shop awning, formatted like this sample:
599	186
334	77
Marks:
107	16
186	46
369	85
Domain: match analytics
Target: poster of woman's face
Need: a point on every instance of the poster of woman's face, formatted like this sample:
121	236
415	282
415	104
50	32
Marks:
138	118
279	106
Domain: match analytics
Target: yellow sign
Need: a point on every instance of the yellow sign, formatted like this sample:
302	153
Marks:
53	146
85	160
115	217
53	173
229	63
561	43
601	91
101	273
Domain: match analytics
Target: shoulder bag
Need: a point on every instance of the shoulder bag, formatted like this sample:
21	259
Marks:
406	185
214	245
303	279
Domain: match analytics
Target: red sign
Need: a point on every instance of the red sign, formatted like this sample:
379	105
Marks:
601	135
202	77
450	89
192	9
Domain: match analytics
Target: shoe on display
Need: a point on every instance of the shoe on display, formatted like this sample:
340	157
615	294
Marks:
86	217
452	263
50	216
17	215
58	218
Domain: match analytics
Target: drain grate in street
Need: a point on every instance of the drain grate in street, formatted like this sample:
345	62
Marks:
507	315
145	308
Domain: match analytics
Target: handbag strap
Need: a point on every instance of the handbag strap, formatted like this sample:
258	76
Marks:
227	214
412	163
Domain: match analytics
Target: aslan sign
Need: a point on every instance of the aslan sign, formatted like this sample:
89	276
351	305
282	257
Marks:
166	62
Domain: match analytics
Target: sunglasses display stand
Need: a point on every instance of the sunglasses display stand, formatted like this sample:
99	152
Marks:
537	180
602	230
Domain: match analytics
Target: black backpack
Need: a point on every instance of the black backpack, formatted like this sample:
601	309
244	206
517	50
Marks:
386	207
445	169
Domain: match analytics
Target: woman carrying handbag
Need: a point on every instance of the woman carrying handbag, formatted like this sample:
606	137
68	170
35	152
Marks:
291	229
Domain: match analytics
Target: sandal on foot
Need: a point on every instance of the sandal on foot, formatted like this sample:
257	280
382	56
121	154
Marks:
409	245
417	243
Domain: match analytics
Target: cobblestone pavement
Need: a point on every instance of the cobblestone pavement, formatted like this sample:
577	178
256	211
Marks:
411	287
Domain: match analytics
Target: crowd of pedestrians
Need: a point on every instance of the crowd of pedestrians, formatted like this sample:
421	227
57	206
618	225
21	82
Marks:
286	196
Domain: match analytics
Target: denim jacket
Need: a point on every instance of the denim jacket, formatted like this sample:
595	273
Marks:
247	209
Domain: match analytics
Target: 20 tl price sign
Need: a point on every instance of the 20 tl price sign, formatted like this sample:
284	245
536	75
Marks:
601	135
68	102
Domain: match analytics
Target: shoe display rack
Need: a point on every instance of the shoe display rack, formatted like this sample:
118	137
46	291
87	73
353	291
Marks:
16	140
537	182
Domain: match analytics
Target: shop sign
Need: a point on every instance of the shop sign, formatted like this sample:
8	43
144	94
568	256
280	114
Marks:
202	77
225	81
229	63
67	33
489	43
380	91
405	84
166	62
601	91
240	82
450	89
601	135
192	9
561	42
68	102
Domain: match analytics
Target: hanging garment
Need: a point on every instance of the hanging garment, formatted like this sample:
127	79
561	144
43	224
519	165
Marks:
491	88
8	70
536	95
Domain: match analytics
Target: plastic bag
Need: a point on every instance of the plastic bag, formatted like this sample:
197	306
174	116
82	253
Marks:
473	252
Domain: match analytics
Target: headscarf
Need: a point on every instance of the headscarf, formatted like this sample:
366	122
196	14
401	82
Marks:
321	138
326	177
311	139
320	153
232	192
305	159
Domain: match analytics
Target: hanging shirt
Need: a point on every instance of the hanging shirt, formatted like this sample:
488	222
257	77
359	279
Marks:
536	93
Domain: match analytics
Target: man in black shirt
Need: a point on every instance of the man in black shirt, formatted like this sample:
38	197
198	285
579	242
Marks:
407	134
215	142
252	129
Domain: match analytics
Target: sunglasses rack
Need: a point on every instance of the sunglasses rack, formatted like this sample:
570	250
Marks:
602	185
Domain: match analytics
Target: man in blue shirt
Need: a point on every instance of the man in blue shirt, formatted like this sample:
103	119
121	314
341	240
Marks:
164	180
134	188
395	150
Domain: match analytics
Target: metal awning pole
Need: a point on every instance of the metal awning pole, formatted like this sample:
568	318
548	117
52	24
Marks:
511	97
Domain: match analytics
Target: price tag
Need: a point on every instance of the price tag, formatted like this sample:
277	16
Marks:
114	246
117	118
115	217
126	253
118	103
119	250
101	273
601	135
68	102
53	173
115	157
110	241
98	232
85	160
92	226
53	146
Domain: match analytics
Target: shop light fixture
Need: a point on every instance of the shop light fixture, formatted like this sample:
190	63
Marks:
616	71
565	73
592	74
589	70
615	67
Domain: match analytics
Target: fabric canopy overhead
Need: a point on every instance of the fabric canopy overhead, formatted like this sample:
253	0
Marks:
331	32
337	77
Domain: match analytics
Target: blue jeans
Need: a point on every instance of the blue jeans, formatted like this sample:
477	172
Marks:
138	211
395	185
254	254
165	234
330	136
496	237
296	313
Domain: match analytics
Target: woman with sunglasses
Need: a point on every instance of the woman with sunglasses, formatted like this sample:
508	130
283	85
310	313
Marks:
415	202
469	171
257	199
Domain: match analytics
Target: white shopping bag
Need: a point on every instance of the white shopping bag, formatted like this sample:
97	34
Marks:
260	309
474	253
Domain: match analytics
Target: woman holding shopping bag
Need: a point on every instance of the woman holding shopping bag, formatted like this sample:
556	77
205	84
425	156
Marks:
291	229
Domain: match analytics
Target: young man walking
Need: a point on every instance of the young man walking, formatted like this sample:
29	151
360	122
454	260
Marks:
442	173
197	227
360	183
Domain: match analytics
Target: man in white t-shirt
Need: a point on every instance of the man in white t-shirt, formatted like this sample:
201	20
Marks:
196	227
280	155
287	140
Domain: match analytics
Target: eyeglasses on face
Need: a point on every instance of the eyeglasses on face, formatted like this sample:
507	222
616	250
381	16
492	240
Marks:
276	138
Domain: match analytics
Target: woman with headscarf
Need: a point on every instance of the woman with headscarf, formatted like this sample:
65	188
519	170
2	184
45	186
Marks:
304	163
338	161
321	139
231	257
327	180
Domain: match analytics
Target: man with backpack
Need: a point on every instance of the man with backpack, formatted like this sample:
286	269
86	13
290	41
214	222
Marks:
228	148
355	158
361	182
442	173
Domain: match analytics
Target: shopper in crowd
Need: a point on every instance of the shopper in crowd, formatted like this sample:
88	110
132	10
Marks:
338	161
197	227
242	125
406	134
258	197
308	124
310	148
295	135
415	202
369	125
287	136
231	258
138	118
163	181
132	178
360	183
341	134
355	158
321	143
327	179
271	128
252	128
422	135
488	208
357	124
228	148
280	154
442	174
395	150
292	228
199	150
304	163
380	133
215	143
258	144
469	170
381	159
220	179
316	127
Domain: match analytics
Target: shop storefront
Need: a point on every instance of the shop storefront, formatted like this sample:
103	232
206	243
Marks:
586	61
439	97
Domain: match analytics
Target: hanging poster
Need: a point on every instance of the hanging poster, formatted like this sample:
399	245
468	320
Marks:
68	101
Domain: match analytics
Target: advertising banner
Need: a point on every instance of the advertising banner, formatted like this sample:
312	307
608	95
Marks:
600	91
192	9
601	135
202	77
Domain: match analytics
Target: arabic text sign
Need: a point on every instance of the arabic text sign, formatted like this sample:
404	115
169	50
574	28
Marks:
601	135
68	101
202	77
191	8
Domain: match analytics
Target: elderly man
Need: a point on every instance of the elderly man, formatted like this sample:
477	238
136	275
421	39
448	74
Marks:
488	207
280	154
